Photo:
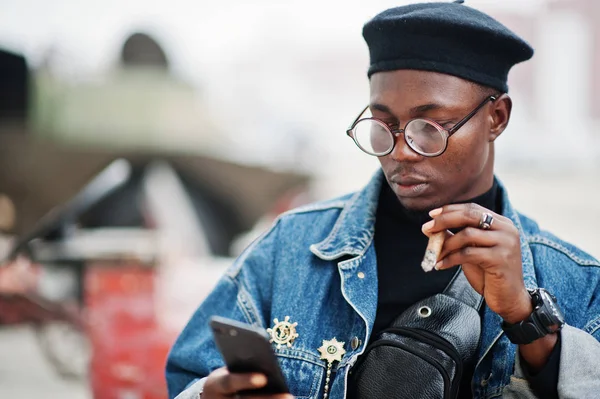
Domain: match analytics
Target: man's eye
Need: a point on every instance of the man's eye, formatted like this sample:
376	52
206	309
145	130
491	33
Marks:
390	124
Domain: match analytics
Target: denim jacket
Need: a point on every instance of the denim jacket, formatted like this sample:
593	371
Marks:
317	265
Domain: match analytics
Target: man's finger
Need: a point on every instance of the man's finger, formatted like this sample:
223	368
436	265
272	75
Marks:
220	371
230	383
461	207
471	255
470	237
457	218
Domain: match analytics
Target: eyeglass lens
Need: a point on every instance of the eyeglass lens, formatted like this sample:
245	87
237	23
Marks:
375	138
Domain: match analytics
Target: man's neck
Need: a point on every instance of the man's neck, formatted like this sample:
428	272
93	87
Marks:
388	199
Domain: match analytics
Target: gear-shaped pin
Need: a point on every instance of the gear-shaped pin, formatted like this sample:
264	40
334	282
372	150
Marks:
283	332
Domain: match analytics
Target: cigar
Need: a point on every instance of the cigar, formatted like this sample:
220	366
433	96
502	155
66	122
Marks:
433	251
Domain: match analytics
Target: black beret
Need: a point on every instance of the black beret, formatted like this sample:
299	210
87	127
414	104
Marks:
444	37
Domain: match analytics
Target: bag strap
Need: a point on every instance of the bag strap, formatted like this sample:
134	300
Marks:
460	289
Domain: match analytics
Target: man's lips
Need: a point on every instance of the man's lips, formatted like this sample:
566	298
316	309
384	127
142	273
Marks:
409	183
409	186
408	180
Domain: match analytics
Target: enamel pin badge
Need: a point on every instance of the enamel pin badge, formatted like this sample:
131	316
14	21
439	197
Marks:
331	351
283	332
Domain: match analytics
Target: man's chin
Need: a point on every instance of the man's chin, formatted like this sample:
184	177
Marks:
418	205
417	210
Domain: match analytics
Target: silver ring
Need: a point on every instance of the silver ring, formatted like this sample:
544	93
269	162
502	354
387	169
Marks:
486	221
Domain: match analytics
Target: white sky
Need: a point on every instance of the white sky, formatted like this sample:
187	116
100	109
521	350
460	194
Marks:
88	33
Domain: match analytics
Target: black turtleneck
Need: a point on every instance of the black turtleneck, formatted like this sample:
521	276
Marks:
400	245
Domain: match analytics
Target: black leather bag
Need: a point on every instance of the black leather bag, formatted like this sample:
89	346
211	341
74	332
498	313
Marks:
423	353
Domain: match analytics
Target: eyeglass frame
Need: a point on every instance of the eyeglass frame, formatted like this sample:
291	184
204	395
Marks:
395	130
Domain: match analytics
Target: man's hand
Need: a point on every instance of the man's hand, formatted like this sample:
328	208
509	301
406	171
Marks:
491	259
222	384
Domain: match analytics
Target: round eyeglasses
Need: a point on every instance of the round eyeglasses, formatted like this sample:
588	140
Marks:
424	136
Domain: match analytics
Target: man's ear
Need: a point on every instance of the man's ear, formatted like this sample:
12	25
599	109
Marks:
500	116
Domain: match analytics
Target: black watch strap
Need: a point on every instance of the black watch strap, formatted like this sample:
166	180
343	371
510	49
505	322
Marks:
524	332
545	319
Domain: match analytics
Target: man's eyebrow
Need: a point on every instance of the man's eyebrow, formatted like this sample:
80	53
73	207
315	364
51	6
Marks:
381	107
424	108
420	109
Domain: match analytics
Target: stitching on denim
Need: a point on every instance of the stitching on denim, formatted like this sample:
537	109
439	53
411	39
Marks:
243	308
350	202
315	385
319	206
240	302
247	306
537	239
300	354
360	254
347	208
252	309
592	326
305	357
336	227
346	249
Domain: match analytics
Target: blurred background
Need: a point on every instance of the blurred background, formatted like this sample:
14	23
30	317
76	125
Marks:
144	144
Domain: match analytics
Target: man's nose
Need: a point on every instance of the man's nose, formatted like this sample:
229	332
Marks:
402	151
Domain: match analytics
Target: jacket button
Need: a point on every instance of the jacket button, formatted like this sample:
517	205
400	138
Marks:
361	275
355	343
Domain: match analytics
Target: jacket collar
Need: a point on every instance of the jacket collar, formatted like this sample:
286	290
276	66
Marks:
354	229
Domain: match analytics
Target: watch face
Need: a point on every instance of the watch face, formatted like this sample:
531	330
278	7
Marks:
554	318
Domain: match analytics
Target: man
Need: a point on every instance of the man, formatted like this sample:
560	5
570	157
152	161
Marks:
343	270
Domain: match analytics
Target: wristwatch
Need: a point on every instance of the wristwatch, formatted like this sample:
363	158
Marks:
546	318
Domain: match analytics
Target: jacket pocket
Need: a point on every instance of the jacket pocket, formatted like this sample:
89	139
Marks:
302	374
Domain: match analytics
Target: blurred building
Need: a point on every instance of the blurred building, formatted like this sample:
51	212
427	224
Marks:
556	109
137	104
15	89
138	110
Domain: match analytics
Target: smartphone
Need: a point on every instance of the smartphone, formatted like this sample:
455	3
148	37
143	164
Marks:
246	349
